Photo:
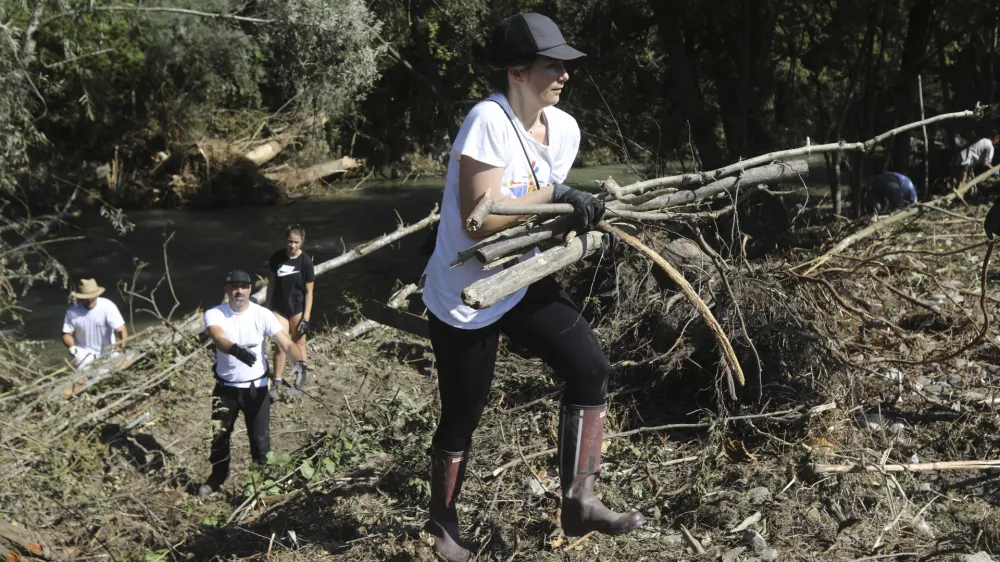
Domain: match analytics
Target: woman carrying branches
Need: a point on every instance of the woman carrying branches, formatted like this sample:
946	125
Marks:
517	148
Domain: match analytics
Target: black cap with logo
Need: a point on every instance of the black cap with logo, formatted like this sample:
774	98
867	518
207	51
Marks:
238	276
528	34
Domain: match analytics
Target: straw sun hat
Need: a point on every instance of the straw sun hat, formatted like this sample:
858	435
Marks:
88	289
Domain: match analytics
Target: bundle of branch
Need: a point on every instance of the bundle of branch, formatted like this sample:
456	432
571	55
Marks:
646	208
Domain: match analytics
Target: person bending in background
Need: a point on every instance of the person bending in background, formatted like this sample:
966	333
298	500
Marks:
890	191
290	293
976	157
90	325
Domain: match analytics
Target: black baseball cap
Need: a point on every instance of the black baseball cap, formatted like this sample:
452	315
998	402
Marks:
526	34
238	276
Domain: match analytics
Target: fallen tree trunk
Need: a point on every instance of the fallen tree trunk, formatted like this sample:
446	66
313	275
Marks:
296	178
267	151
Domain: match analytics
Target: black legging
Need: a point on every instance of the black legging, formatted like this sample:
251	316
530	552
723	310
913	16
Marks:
547	323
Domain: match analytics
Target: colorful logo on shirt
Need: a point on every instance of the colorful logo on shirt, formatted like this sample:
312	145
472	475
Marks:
524	185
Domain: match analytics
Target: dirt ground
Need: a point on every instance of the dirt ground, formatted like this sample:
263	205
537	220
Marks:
847	367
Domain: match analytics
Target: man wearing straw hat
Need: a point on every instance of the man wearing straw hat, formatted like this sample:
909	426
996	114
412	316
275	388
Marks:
91	325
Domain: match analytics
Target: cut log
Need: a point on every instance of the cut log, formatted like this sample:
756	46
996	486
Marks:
487	292
295	178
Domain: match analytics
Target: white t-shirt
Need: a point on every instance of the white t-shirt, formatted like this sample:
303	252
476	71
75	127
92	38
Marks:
248	329
488	136
980	153
93	329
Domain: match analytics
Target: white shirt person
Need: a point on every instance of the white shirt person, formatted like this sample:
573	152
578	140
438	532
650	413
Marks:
93	326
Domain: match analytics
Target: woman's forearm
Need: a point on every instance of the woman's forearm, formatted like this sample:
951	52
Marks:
497	223
307	313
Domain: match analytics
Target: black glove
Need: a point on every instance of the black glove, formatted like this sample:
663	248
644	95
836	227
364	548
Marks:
992	223
303	327
587	209
610	245
243	354
301	372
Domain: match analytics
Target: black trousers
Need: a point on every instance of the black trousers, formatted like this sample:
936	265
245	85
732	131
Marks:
227	403
548	324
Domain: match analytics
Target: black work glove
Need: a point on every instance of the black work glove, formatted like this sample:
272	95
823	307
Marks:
301	372
992	223
304	327
243	354
610	245
587	209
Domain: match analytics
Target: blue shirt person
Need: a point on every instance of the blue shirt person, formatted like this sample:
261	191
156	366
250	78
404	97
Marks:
890	191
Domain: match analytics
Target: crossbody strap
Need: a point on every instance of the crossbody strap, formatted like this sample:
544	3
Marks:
521	142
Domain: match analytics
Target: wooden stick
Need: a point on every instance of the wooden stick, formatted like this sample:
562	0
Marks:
706	177
729	356
912	467
888	221
487	206
692	541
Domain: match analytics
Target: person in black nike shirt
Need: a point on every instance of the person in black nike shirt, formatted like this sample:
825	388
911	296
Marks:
290	292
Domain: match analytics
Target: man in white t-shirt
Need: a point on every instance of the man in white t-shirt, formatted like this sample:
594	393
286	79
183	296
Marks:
90	325
237	329
976	157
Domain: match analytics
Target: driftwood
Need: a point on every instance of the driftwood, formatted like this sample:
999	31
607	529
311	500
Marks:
295	178
912	467
701	178
268	150
486	292
890	220
192	324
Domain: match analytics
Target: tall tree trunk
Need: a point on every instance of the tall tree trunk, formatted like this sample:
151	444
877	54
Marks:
914	57
744	73
684	82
